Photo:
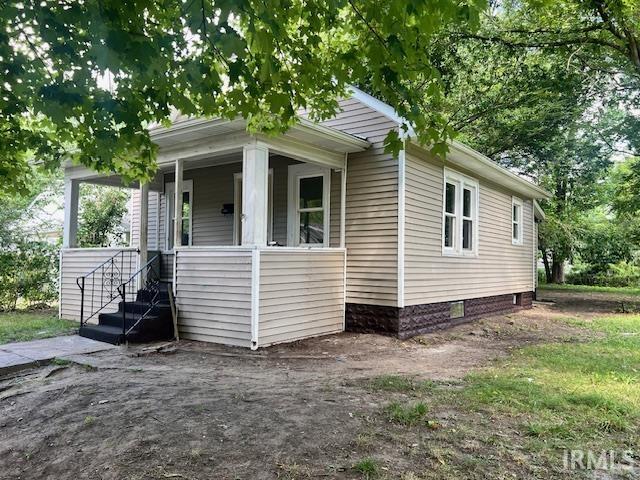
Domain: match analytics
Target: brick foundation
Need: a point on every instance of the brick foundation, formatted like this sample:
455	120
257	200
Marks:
418	319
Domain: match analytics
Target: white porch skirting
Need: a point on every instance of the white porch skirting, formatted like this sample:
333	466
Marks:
246	296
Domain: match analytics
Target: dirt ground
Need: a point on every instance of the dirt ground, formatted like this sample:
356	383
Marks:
302	410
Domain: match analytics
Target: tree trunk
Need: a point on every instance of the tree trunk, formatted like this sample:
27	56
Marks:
557	272
547	267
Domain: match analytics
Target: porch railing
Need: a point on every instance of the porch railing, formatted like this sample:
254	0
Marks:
140	294
99	287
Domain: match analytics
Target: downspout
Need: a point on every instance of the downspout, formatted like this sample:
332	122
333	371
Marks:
343	233
401	219
255	297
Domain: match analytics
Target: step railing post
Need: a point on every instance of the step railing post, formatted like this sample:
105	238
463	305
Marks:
82	301
124	311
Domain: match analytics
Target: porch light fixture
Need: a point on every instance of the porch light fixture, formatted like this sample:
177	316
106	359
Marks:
227	209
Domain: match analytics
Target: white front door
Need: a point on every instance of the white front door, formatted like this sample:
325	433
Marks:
308	205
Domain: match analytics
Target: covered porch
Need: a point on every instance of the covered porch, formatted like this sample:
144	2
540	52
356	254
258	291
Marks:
249	230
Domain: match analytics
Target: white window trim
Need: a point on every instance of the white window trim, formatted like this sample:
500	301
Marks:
237	213
187	186
461	181
296	172
515	201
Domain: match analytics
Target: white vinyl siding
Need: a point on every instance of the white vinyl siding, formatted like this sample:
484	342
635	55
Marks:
80	261
372	207
499	268
301	294
153	238
213	295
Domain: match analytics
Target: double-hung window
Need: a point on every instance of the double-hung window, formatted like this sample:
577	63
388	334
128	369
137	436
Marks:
308	211
516	221
460	215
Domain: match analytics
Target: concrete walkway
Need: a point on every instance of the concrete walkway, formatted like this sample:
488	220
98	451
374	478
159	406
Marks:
19	355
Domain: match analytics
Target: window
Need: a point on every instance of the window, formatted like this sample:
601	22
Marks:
460	218
308	223
187	211
516	221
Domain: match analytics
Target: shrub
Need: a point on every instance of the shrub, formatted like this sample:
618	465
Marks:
28	272
621	274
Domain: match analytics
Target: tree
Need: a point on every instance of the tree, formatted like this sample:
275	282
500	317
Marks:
605	241
600	34
598	40
625	187
100	220
28	265
84	80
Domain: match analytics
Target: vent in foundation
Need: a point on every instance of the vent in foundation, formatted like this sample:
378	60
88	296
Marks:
517	299
456	310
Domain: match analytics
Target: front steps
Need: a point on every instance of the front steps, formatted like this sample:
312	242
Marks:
156	325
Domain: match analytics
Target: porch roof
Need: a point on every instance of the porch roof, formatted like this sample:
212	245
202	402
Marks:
189	131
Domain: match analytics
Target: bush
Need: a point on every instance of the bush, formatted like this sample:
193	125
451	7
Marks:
621	274
29	273
542	276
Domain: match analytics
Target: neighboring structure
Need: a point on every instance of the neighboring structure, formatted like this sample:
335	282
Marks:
268	240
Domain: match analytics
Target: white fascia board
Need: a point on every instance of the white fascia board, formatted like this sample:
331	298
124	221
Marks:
538	212
342	142
348	143
381	107
473	160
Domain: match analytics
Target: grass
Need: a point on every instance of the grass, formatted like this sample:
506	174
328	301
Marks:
584	395
400	384
21	326
406	414
368	467
590	288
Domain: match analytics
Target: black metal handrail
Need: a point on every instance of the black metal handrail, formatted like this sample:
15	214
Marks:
146	279
108	276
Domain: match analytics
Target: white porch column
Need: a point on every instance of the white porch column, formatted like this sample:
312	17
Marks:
177	229
255	188
144	226
71	198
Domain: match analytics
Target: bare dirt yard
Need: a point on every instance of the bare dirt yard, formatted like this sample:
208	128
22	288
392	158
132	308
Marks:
344	406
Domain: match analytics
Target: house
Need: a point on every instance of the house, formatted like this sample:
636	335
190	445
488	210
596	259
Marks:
266	240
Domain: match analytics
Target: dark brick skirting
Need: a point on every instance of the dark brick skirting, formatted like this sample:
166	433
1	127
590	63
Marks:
418	319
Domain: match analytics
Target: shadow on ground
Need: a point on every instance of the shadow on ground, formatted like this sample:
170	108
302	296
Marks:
202	411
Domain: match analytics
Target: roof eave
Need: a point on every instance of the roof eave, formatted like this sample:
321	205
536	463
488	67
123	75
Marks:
343	141
538	212
484	166
468	159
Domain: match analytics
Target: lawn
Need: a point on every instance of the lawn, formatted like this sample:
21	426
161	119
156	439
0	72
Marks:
533	406
590	289
568	395
500	398
21	326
